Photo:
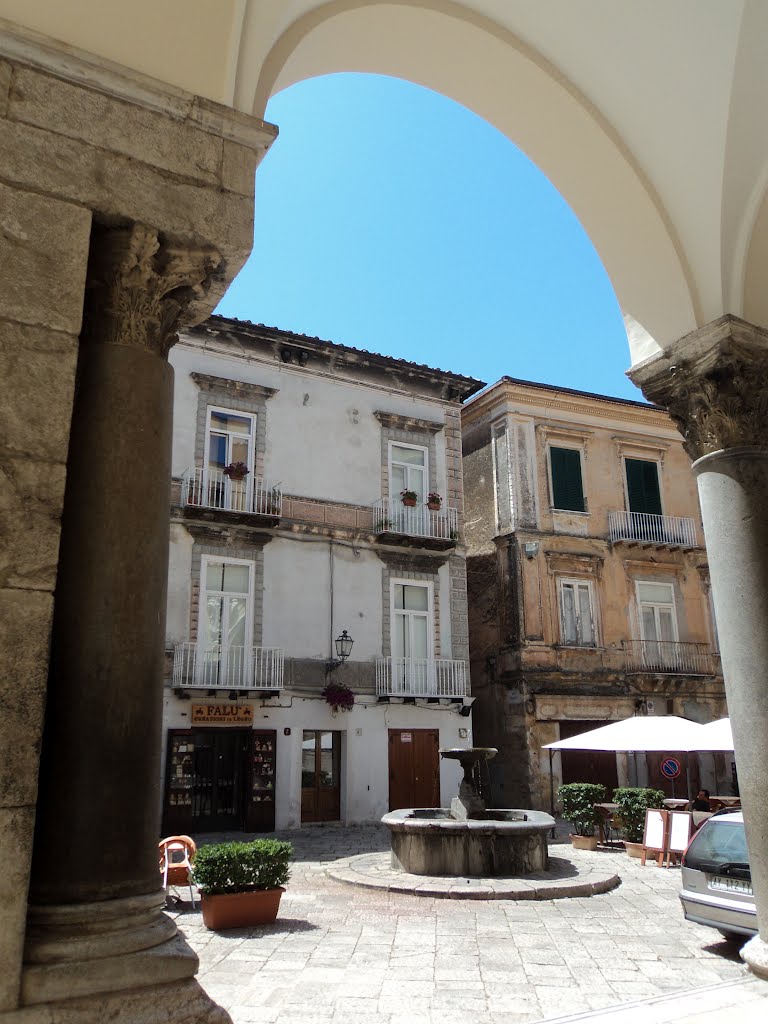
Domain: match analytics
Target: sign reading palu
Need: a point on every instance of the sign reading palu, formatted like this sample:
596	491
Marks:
222	714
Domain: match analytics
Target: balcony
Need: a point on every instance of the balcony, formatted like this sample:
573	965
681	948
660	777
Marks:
400	524
421	677
644	528
227	668
212	489
665	657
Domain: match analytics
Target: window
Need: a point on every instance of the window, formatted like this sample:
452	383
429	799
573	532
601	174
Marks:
413	669
643	494
408	470
658	622
577	616
567	488
225	633
229	439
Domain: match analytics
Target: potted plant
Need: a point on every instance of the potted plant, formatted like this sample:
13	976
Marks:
578	801
241	883
236	471
434	501
340	697
408	497
633	802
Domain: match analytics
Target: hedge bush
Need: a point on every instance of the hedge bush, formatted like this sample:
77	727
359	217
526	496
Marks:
578	800
241	867
633	802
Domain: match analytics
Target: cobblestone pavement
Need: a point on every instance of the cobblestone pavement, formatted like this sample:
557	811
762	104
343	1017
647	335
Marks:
342	955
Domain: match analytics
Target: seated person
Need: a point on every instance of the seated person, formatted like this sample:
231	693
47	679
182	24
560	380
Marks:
701	801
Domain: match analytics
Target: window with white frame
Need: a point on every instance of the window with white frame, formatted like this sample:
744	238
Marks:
577	613
225	634
408	470
411	636
658	621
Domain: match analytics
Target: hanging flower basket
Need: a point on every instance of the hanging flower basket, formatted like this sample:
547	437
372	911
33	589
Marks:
409	498
341	698
434	501
236	471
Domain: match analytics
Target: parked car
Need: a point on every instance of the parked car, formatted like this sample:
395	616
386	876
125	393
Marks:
717	884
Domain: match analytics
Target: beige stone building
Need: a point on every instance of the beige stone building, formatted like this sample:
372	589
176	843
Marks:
588	584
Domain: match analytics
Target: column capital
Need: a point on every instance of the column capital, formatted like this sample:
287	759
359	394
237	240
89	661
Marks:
141	287
713	382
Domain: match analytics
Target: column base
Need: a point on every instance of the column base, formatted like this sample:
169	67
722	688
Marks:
755	956
181	1002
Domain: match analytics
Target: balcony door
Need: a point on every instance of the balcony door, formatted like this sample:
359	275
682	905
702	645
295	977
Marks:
229	440
658	624
409	471
413	667
225	640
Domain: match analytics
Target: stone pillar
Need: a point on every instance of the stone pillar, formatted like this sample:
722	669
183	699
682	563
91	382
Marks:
95	922
715	385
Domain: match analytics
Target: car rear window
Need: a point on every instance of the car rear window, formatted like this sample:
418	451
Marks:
720	848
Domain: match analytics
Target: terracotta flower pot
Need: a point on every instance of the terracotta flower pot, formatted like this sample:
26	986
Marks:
634	849
409	502
240	909
583	842
434	506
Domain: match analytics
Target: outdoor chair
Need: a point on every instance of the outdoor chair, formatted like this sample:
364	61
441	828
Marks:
176	854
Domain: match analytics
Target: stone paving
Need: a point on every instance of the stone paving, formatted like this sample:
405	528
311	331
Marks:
342	955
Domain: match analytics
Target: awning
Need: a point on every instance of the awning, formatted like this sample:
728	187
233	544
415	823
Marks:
716	736
641	732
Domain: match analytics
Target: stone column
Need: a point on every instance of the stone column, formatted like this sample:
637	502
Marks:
715	386
95	922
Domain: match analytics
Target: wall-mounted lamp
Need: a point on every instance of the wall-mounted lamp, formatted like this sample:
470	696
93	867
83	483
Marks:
343	650
531	549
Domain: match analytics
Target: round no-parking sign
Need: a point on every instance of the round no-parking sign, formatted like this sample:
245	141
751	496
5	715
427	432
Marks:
670	767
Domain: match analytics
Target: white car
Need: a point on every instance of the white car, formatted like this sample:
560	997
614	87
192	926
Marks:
717	884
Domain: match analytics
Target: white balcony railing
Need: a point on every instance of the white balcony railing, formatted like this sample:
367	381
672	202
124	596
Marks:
392	516
669	657
225	667
644	528
421	677
211	488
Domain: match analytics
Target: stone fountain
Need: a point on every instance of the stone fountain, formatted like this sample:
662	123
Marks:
469	839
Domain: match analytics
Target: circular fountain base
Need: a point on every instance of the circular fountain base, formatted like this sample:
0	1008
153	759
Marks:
504	842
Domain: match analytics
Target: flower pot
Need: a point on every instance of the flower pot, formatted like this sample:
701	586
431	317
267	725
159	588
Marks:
634	849
409	502
583	842
434	506
240	909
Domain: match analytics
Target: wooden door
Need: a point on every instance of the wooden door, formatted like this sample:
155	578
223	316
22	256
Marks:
414	768
588	765
320	775
220	775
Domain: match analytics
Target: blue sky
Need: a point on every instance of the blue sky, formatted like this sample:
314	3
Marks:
392	219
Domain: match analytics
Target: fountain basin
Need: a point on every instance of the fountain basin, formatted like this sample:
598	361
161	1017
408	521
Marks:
429	841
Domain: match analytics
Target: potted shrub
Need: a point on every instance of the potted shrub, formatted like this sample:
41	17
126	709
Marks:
241	883
633	802
236	471
409	498
340	697
578	800
434	501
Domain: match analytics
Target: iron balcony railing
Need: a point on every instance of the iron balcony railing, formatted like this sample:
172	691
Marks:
644	528
421	677
211	488
670	658
392	516
228	667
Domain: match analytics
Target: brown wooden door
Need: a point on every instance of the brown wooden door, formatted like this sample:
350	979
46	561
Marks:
414	768
320	775
588	765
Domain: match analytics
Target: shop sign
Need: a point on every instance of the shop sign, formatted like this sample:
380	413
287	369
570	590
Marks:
222	714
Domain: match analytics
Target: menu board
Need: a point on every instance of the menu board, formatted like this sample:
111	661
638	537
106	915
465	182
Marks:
680	830
654	837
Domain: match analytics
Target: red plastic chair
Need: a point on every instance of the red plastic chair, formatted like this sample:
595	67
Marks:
176	854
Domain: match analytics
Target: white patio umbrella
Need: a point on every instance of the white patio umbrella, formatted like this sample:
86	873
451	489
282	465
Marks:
641	732
716	736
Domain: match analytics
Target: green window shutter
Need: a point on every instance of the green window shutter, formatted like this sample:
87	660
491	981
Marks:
567	489
643	486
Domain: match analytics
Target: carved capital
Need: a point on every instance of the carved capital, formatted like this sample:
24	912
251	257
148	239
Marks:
714	384
140	287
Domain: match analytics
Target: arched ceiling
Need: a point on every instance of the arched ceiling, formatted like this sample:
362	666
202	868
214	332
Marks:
647	116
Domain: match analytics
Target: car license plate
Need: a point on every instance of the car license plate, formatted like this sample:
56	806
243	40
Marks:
740	885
